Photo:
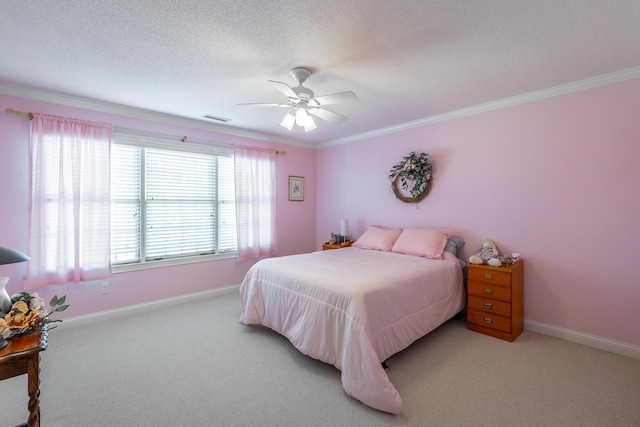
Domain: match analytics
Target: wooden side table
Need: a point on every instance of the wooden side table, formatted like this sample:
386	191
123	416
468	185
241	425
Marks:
495	300
327	246
22	356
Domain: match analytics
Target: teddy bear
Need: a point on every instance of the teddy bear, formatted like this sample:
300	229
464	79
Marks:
487	254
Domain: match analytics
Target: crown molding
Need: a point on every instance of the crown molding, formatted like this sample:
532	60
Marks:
140	113
579	85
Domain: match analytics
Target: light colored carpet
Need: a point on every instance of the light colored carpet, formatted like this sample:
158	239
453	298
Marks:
195	365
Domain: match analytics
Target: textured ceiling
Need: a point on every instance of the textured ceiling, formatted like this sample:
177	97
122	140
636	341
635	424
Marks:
406	60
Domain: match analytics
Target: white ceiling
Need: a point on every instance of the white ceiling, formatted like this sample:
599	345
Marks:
405	59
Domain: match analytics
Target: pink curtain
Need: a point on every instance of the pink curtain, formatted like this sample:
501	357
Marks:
69	229
255	179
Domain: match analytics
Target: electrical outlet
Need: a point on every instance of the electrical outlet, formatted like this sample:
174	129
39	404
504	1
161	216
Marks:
104	287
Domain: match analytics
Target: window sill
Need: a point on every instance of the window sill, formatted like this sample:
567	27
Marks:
169	262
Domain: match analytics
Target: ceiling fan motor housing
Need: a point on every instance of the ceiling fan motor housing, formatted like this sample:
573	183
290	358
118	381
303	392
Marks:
303	93
300	75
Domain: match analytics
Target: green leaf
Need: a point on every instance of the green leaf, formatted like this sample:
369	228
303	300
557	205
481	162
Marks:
61	300
61	308
54	301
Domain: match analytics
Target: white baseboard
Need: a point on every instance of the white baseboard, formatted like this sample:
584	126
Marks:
612	346
135	309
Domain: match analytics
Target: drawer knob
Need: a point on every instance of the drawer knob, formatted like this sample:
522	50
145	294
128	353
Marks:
488	276
488	305
488	291
488	320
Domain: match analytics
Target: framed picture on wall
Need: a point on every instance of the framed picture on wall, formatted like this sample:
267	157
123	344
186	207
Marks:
296	188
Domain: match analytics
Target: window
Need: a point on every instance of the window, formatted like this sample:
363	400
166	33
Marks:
170	201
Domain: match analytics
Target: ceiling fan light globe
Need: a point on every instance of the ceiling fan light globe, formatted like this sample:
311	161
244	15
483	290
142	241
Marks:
301	116
288	121
310	124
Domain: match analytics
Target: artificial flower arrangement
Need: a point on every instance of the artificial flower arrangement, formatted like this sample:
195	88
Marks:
29	312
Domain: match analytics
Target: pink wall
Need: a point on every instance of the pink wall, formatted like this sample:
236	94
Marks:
296	220
555	179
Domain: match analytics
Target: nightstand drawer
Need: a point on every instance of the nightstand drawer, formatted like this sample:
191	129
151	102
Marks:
490	276
489	320
488	290
490	306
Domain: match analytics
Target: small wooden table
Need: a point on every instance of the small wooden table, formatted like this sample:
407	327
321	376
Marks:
328	246
22	356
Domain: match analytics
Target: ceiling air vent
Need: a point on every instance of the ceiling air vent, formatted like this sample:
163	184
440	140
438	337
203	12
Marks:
216	118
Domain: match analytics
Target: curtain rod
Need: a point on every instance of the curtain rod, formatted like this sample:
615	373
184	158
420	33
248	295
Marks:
18	113
133	131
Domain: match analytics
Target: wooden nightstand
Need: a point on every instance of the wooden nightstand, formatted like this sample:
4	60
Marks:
494	300
326	246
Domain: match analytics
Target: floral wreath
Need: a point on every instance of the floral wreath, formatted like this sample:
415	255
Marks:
416	169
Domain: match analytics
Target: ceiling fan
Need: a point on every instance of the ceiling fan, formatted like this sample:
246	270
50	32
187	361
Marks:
302	104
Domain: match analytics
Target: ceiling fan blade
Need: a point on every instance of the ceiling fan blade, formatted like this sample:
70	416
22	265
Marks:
327	115
337	98
273	104
284	88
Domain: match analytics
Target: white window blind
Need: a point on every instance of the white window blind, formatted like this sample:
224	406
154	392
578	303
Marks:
126	207
170	204
227	237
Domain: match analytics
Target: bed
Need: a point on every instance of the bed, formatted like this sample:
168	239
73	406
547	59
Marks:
353	308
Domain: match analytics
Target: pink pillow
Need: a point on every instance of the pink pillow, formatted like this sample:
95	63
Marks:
424	242
377	238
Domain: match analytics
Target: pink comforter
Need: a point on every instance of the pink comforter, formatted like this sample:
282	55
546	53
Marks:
354	308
